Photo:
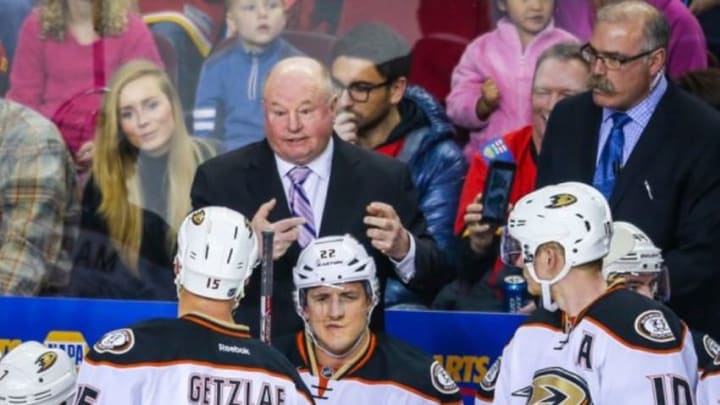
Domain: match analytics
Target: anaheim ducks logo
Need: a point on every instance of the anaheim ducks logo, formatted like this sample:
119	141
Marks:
119	341
561	200
490	379
711	347
652	325
198	217
45	361
556	386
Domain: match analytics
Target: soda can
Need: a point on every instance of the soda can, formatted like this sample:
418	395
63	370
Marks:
515	292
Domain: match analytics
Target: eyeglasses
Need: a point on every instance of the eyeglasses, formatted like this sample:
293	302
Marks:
359	92
611	61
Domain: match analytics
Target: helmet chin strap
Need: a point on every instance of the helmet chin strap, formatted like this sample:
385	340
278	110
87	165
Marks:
545	285
327	351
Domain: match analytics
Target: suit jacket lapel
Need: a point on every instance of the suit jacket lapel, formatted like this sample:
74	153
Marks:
264	182
644	150
340	196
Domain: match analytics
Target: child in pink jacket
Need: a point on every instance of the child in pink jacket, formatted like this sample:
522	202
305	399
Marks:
491	84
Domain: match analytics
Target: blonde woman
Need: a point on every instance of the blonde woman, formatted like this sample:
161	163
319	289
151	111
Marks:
139	190
66	51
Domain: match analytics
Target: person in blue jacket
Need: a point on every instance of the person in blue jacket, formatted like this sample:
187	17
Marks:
379	110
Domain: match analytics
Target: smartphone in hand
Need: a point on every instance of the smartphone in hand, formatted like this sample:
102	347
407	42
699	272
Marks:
496	197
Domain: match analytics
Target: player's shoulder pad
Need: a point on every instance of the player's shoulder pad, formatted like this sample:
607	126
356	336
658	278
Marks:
419	370
129	344
486	390
637	321
706	347
542	317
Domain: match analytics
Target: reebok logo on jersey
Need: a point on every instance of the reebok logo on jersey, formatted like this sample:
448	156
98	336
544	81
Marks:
652	325
233	349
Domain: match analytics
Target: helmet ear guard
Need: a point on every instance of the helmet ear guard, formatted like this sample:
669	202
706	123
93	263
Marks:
217	251
36	375
574	215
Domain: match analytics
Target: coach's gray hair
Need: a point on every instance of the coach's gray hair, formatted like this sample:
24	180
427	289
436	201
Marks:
656	31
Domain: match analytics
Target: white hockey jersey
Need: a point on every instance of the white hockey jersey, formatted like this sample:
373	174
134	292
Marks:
386	371
708	388
190	360
513	370
623	349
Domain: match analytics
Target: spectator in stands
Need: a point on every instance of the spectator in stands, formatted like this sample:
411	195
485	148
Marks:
336	291
704	84
446	28
39	204
492	82
379	111
11	18
228	103
560	72
193	27
637	151
687	49
68	48
139	191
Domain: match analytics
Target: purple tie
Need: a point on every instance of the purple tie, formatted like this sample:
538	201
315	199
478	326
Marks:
300	204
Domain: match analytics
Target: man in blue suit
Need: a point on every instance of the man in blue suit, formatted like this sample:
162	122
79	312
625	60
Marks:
651	148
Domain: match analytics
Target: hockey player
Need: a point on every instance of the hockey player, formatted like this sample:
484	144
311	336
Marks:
621	347
33	374
519	359
339	358
202	357
638	264
708	389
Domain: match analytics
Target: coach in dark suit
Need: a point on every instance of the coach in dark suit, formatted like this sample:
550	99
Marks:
347	190
651	148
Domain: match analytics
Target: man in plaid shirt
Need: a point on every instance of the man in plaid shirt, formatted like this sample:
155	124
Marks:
39	203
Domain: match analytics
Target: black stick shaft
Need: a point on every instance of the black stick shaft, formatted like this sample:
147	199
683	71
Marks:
266	288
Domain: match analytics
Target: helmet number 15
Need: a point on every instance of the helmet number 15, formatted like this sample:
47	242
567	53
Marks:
213	283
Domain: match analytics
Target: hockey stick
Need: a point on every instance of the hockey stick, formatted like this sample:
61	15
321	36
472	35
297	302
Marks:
266	287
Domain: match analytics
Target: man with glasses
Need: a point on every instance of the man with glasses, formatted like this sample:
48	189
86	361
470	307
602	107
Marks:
650	148
378	110
687	48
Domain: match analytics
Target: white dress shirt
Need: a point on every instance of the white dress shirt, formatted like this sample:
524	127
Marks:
316	189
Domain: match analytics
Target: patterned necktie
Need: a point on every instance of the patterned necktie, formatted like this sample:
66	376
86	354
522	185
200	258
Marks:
300	204
611	158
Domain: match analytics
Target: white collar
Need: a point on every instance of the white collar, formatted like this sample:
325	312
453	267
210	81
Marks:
320	165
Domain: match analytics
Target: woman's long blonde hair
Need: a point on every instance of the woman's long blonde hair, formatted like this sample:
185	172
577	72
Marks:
109	17
114	166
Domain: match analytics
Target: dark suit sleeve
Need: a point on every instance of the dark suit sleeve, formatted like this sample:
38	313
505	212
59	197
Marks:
694	258
432	268
202	193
